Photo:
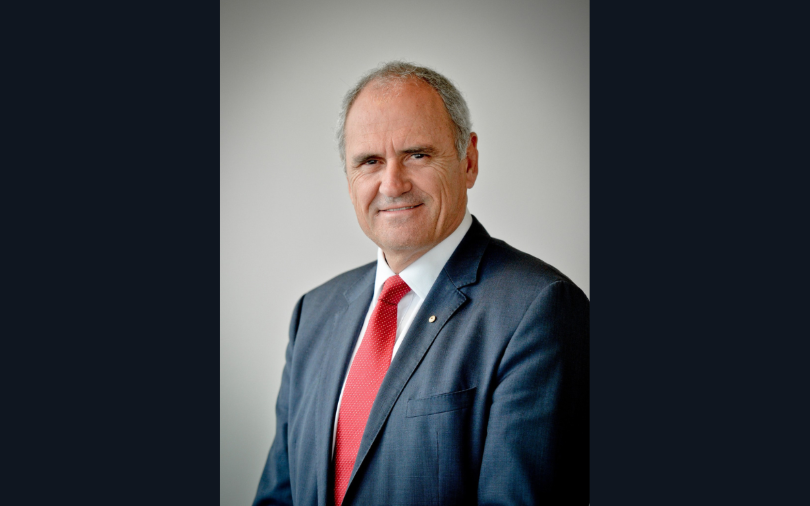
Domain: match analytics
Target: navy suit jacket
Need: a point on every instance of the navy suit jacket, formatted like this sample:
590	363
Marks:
487	404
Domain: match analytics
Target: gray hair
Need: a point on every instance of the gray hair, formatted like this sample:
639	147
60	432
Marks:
401	71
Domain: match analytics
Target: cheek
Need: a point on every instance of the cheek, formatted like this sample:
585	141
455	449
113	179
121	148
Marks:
361	195
448	187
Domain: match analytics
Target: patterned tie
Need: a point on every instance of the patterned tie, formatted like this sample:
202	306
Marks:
365	376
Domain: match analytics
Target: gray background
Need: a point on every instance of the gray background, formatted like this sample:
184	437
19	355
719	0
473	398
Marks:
286	222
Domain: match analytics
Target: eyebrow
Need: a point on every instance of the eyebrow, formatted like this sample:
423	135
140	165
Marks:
428	150
364	157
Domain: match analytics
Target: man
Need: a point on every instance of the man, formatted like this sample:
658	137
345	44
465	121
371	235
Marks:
454	369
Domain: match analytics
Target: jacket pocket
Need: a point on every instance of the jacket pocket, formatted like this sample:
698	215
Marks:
440	403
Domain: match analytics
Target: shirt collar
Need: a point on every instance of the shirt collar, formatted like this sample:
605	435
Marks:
421	274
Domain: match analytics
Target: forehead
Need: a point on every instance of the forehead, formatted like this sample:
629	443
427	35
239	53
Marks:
400	111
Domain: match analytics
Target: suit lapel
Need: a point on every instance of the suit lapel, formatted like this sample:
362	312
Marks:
347	324
443	301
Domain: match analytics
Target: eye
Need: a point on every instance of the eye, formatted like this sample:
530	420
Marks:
419	156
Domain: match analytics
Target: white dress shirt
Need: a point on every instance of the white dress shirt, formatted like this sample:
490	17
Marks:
420	276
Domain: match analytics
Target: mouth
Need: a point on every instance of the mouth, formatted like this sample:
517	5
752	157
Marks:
397	209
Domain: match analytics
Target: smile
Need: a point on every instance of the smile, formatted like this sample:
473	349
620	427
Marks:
400	208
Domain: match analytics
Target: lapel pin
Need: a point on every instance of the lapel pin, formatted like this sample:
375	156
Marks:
432	319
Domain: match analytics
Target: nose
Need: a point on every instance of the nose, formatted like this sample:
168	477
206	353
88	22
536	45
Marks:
395	181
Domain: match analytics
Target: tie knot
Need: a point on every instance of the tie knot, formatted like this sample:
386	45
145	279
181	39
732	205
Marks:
393	290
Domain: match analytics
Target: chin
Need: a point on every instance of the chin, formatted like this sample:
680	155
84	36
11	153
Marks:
407	243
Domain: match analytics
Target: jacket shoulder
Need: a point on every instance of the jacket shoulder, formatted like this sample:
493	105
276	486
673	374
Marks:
502	263
341	283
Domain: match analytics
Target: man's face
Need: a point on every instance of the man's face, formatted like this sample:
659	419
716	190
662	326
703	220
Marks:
406	182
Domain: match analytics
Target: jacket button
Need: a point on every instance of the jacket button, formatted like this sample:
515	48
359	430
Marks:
432	319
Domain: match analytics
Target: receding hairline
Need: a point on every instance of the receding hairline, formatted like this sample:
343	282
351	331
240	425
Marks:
391	86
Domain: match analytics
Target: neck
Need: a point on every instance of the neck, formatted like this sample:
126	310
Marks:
398	261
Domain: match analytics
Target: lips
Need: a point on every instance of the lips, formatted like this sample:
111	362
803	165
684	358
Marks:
405	208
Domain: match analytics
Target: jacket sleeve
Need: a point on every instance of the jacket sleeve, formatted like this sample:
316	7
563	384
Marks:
274	486
536	448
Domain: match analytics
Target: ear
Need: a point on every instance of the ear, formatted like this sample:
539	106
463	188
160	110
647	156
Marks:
471	160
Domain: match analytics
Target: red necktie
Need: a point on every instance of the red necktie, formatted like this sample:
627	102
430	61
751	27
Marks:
365	377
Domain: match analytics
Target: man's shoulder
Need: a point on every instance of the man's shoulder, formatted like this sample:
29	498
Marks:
503	263
344	282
